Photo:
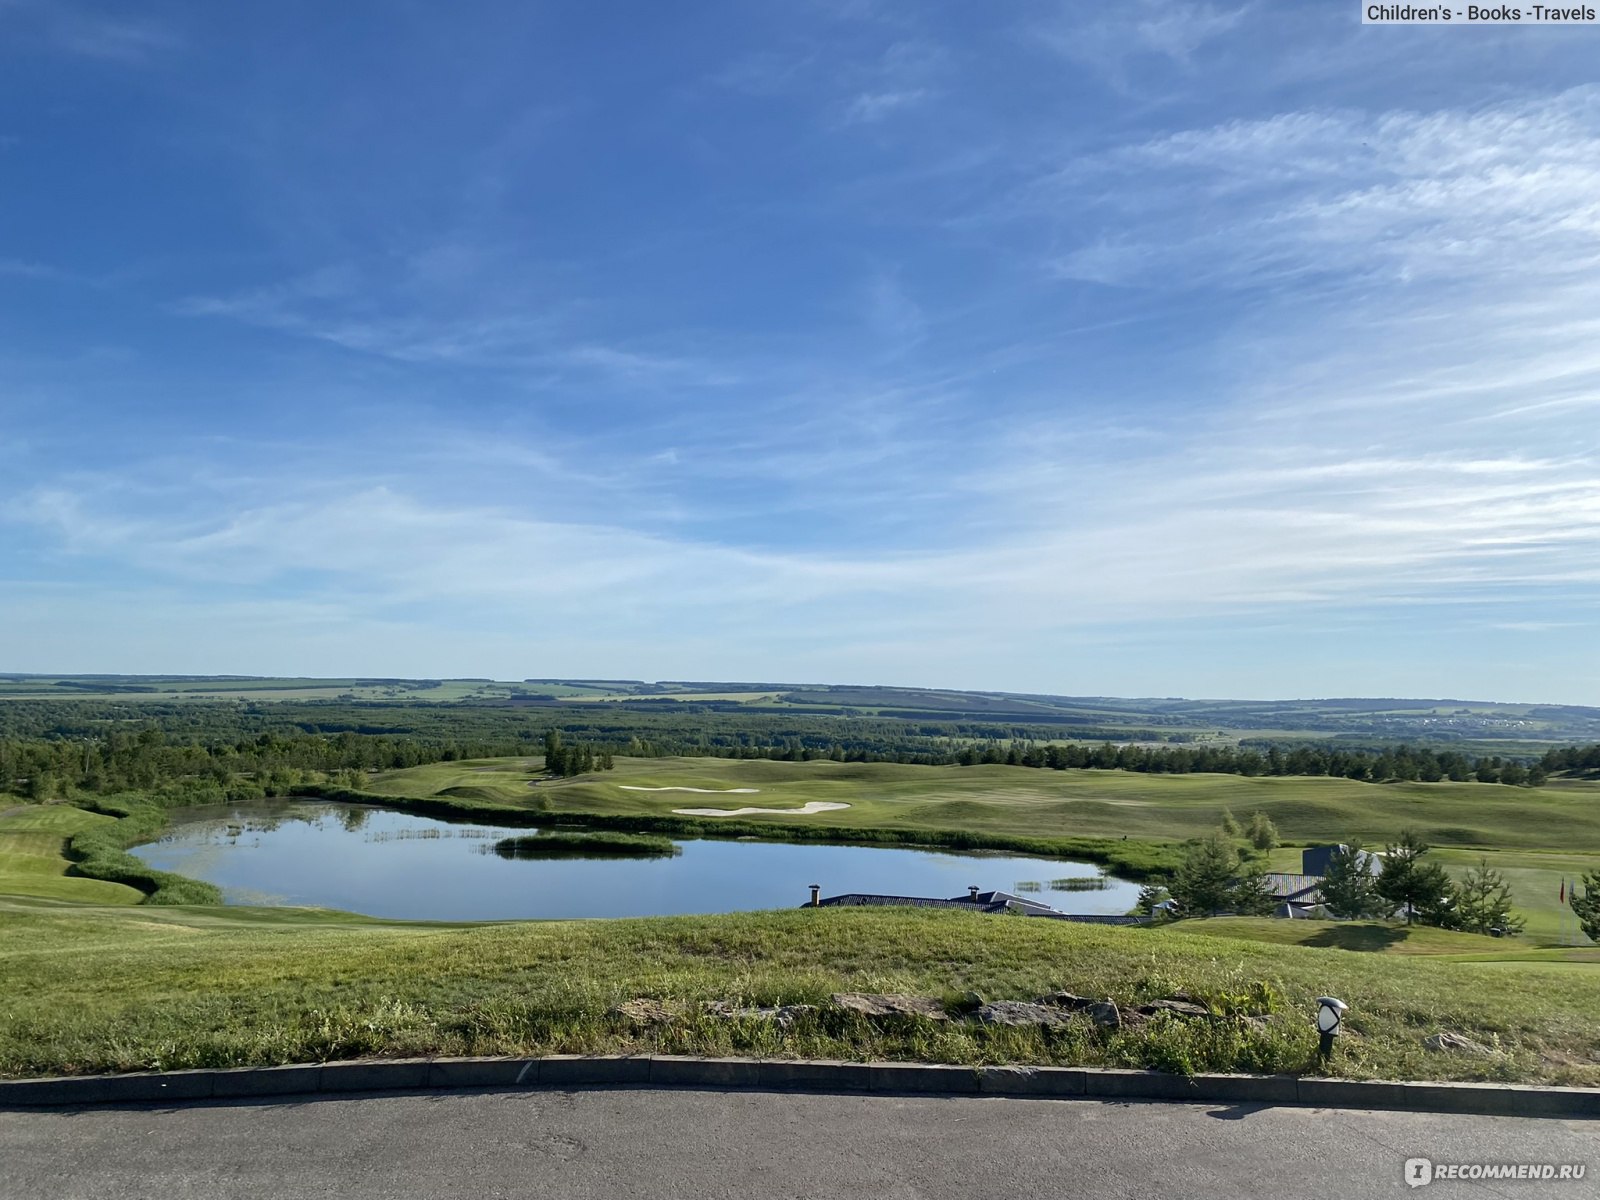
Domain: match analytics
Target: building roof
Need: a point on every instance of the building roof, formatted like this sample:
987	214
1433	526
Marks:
1005	900
985	902
1300	888
849	899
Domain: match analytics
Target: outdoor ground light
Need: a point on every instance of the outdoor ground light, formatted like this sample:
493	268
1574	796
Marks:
1330	1011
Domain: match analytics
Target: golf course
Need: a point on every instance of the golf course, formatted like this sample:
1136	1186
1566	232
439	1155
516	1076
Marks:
96	978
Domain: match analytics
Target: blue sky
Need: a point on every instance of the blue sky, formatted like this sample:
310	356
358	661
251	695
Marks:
1142	348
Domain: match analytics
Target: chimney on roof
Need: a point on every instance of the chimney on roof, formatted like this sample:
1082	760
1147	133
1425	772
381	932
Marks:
816	895
972	890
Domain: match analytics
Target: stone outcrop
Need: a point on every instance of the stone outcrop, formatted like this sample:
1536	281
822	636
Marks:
1054	1010
893	1004
1021	1013
1103	1013
1178	1008
782	1015
643	1011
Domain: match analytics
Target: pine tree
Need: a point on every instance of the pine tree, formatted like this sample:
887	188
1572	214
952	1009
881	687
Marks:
1212	879
1349	889
1229	826
1483	901
1587	906
1203	882
1422	889
1252	896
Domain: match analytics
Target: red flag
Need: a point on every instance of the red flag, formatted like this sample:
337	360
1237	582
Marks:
1563	889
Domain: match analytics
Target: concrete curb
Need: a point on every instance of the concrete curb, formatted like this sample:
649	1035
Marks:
569	1071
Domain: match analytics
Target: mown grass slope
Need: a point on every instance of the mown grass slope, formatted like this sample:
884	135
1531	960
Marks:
33	860
88	989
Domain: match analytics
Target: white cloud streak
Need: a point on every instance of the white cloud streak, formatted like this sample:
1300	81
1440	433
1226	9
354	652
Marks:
92	34
1391	198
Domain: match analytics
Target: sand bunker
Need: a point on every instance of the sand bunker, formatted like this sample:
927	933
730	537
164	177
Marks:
628	787
814	806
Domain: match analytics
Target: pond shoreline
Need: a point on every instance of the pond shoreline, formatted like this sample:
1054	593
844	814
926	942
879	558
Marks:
1130	860
385	861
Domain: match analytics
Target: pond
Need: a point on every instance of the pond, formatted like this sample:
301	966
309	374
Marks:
394	864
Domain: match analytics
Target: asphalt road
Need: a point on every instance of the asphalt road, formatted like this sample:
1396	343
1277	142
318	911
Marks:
750	1145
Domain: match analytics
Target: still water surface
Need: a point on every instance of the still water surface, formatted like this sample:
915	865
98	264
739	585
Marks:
393	864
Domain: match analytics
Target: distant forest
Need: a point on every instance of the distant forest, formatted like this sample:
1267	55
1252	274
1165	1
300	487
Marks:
195	751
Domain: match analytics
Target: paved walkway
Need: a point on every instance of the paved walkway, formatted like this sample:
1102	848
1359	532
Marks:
749	1145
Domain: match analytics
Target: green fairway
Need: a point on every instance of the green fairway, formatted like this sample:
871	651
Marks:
1535	877
1037	803
32	859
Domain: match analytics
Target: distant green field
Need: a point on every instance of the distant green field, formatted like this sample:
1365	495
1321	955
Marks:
167	688
1469	726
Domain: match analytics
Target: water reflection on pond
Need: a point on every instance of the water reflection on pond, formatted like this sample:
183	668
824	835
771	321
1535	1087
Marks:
392	864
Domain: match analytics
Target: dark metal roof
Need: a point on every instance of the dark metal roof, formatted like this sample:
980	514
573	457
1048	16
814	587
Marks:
1292	887
984	902
863	898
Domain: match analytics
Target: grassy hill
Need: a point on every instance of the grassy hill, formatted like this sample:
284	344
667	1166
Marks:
113	988
90	981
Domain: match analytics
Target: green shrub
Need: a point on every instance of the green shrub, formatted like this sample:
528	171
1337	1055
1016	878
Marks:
587	845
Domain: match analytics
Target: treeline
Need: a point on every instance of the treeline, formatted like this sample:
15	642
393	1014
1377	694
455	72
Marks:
238	751
1573	758
670	728
148	761
1393	763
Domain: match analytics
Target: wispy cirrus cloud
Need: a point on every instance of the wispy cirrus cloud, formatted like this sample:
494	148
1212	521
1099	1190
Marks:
873	83
90	33
868	107
17	268
1112	41
1390	197
410	322
851	336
